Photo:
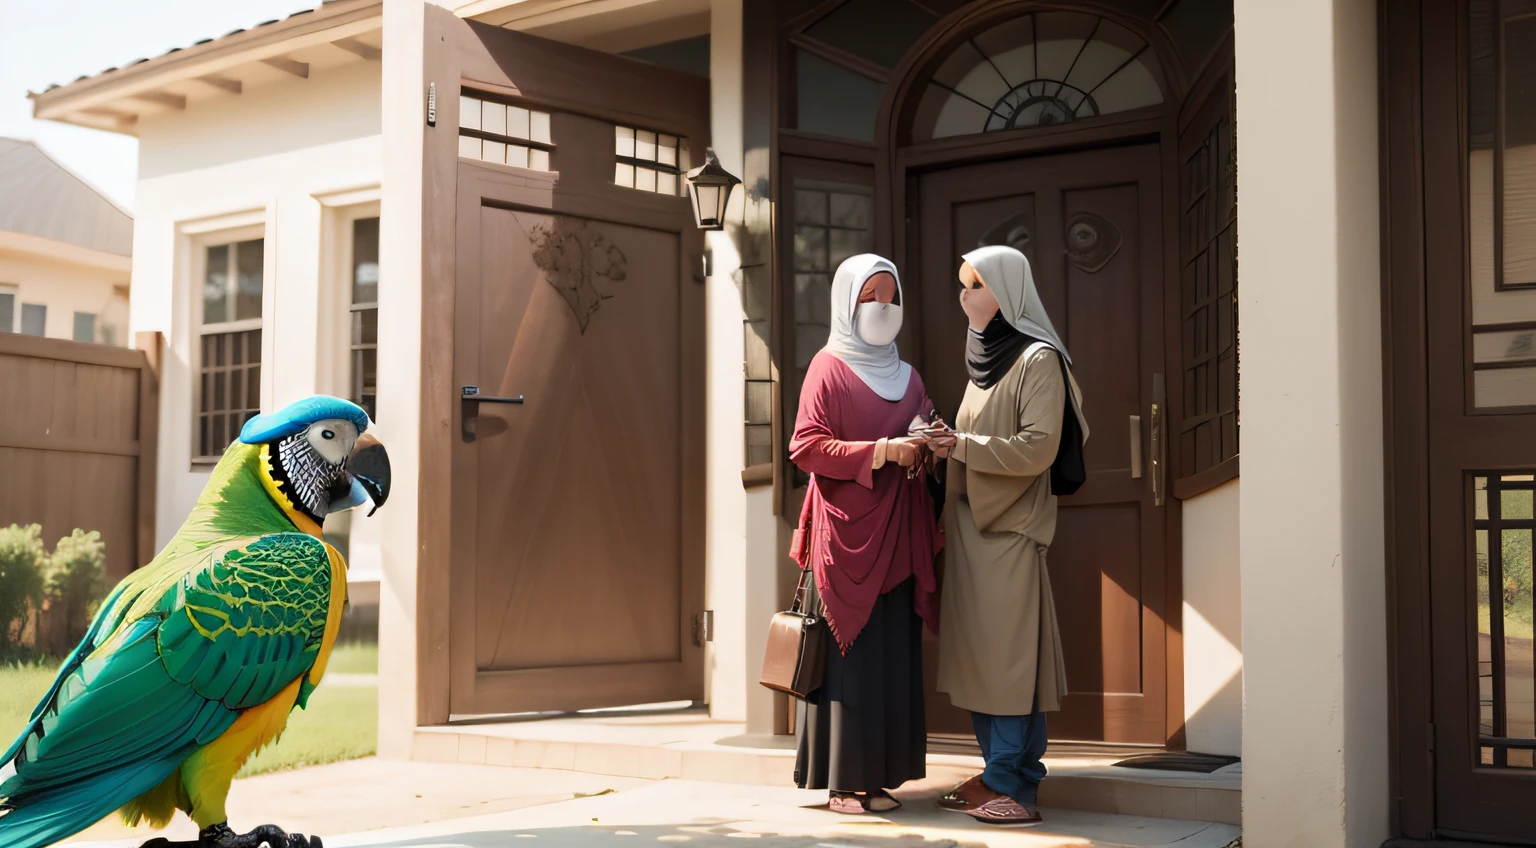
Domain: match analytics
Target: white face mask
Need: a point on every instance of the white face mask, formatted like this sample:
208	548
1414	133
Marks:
877	323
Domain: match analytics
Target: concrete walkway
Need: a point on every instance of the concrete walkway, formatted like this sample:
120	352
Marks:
376	804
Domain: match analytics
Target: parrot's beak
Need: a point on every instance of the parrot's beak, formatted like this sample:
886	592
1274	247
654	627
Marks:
369	465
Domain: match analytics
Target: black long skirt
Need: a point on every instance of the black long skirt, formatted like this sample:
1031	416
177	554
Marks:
864	730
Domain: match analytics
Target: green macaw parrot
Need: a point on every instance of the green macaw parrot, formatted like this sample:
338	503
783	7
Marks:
196	660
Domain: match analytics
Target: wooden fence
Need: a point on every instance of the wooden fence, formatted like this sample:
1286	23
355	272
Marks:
78	432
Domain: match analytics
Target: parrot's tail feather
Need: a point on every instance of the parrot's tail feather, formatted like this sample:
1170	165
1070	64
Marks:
57	814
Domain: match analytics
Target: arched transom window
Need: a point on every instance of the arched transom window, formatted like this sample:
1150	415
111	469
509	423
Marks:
1035	71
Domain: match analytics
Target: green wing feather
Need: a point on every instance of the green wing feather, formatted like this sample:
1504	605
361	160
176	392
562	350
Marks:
173	657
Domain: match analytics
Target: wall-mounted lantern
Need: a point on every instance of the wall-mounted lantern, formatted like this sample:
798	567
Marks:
710	186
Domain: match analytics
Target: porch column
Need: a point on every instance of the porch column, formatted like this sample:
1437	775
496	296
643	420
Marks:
1315	769
741	536
400	295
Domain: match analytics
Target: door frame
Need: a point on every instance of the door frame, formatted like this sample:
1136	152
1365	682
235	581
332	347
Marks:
565	79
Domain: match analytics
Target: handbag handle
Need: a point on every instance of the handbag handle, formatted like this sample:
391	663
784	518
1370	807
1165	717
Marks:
799	603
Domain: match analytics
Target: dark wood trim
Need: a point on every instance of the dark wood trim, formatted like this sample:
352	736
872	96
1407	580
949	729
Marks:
1505	364
1201	482
757	476
1405	431
813	146
807	19
1507	327
1211	78
846	61
1117	128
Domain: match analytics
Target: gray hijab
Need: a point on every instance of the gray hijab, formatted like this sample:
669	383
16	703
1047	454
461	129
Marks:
1006	272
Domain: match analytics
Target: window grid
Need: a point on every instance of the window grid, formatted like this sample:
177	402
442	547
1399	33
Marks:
833	221
646	160
1208	430
1503	521
363	343
504	133
229	345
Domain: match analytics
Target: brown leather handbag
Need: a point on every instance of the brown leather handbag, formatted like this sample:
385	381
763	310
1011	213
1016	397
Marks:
797	644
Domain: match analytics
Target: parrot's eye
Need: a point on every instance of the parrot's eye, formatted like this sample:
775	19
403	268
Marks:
327	435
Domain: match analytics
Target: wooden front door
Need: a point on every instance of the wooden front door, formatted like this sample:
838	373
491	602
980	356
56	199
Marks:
1090	224
577	558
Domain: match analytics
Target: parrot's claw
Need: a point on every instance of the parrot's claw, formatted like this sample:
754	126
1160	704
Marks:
220	836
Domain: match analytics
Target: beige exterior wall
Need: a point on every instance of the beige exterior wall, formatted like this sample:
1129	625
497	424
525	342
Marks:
283	162
1213	622
98	286
1315	747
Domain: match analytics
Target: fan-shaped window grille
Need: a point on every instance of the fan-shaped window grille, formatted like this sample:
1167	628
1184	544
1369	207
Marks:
1036	71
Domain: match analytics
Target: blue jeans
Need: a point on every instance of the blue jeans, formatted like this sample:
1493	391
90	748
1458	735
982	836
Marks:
1014	748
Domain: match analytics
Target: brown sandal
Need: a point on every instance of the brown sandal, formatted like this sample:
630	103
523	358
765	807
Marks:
963	798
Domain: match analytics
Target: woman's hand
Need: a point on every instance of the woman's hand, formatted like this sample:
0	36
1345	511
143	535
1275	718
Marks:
942	446
903	452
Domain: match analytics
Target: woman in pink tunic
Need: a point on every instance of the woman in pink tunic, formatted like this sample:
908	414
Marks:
869	534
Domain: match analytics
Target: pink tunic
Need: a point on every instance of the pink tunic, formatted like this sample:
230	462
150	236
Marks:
863	532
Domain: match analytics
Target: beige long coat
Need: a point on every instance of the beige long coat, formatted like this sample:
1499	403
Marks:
999	643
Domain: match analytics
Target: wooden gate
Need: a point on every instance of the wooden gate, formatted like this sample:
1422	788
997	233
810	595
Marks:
77	442
566	272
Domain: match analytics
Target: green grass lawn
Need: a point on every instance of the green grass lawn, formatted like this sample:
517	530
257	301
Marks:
341	723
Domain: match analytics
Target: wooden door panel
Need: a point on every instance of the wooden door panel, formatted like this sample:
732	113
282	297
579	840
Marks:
575	554
1087	222
597	538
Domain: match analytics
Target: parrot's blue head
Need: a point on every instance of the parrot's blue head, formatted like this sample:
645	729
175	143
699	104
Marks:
322	455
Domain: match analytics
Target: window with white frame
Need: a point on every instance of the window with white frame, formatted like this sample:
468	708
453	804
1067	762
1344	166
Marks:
7	308
228	343
363	339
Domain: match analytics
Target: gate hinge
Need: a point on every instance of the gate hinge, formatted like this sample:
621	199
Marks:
704	628
431	104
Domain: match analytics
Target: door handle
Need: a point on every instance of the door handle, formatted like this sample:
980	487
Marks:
1135	447
470	398
1158	465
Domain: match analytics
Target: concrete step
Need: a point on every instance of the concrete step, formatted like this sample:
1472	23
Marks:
686	745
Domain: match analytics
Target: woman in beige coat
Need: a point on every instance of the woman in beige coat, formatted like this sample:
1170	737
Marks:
1018	444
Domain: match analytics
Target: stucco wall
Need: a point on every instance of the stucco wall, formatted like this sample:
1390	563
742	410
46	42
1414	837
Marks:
1213	619
66	288
276	157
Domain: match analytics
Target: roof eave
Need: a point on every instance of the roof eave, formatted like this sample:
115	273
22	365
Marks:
89	101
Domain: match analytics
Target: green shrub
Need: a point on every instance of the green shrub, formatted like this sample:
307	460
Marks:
77	581
22	562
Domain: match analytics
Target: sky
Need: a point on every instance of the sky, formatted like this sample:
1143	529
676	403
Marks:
54	41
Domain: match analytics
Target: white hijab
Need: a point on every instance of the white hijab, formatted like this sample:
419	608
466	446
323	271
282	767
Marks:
1006	272
879	366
